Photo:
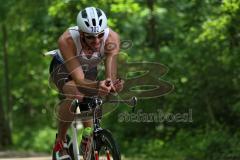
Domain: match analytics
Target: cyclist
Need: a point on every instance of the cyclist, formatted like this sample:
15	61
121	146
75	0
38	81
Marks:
74	67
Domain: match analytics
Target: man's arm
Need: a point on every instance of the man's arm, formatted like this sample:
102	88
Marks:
68	50
111	50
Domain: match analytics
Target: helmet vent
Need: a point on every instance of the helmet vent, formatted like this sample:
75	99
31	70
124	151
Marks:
84	14
94	22
100	22
99	13
87	24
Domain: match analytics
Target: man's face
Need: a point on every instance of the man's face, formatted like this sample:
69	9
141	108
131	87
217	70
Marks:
94	40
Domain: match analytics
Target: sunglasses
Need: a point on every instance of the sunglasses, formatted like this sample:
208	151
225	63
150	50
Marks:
91	36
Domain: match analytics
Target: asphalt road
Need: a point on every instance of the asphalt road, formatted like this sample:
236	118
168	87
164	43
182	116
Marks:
33	158
10	155
17	155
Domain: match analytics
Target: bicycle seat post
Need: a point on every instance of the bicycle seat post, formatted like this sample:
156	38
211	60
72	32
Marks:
74	105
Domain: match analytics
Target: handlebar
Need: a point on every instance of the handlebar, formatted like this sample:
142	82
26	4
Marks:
98	101
132	101
93	102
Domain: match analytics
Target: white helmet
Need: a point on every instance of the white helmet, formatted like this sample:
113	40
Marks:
91	20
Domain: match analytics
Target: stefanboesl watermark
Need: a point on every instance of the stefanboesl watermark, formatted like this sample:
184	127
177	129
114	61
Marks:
158	116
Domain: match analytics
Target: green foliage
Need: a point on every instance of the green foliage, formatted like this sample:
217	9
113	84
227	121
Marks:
187	145
198	40
38	140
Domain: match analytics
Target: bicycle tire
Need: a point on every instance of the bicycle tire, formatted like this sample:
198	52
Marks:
105	140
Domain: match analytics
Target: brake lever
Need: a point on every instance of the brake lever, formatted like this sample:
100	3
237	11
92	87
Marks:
131	102
134	103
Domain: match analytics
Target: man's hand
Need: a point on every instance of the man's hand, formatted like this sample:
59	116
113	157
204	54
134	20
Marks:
107	86
118	85
104	88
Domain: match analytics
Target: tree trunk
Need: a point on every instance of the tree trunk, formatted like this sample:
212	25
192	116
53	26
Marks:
5	132
151	27
5	117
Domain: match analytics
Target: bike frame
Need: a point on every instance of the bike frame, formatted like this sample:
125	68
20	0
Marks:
94	111
96	126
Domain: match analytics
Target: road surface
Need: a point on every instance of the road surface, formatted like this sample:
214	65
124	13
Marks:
32	158
17	155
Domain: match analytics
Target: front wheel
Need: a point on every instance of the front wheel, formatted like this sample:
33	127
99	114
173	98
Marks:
106	147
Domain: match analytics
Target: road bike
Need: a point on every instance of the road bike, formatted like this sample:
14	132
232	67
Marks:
101	144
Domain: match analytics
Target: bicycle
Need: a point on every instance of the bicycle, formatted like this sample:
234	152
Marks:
101	143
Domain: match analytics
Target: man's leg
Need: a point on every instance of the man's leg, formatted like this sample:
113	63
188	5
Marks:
65	112
66	117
